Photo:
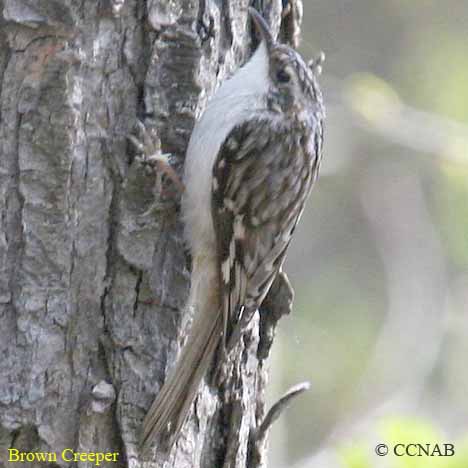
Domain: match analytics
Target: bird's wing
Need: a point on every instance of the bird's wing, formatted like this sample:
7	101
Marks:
261	179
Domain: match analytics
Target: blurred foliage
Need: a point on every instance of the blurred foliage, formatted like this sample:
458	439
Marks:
380	259
406	431
373	97
451	203
441	70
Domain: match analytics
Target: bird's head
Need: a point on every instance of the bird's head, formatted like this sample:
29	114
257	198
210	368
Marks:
293	86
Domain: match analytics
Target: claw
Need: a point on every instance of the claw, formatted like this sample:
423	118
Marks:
141	126
316	63
137	143
149	145
150	138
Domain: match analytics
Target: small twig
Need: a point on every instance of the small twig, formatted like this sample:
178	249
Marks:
277	409
258	438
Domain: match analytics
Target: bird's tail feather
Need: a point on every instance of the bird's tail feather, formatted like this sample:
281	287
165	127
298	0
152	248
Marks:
170	408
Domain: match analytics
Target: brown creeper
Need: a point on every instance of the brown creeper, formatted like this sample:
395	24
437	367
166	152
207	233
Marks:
250	164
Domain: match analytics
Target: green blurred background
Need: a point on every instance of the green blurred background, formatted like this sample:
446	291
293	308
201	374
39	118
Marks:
380	262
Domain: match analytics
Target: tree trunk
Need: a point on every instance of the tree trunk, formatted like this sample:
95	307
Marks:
94	273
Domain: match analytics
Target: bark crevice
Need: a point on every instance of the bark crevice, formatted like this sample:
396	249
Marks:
94	269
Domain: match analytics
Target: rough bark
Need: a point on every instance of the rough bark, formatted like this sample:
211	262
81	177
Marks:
93	270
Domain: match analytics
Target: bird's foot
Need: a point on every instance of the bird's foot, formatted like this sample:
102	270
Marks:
148	144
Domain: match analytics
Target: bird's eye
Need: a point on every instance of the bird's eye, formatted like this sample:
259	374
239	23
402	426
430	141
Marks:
283	76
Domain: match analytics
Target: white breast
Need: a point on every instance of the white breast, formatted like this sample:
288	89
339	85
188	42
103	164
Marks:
236	100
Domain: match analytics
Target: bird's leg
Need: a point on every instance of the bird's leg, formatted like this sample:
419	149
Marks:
149	146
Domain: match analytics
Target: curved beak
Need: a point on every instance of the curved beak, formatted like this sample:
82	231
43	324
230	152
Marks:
262	27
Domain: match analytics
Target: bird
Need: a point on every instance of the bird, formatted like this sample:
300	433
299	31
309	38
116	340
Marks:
252	159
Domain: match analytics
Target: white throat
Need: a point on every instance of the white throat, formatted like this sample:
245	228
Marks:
234	102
